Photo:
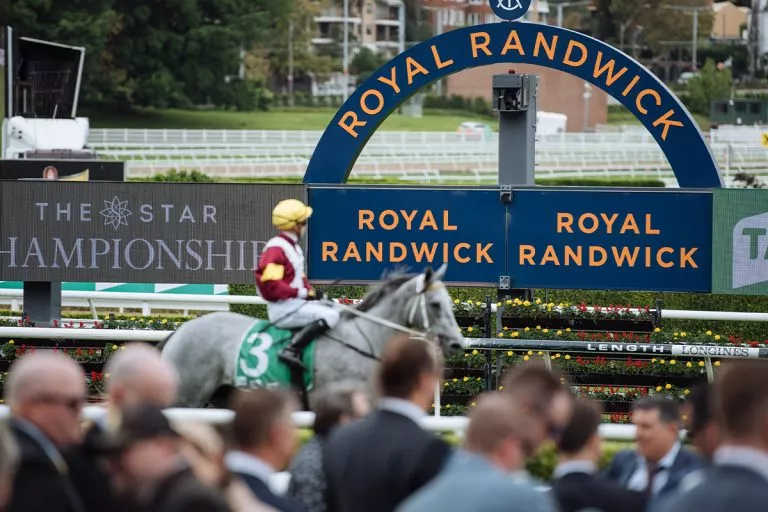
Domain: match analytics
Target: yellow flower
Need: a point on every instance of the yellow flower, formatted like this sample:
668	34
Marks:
530	352
661	361
114	347
11	342
567	356
122	348
658	329
701	363
501	335
688	364
567	329
445	384
682	334
527	303
658	388
668	386
717	337
498	304
477	379
538	327
527	329
557	355
686	392
478	303
525	358
466	379
474	352
677	334
673	362
545	330
466	355
541	353
448	406
515	334
455	301
717	363
509	302
455	379
709	333
538	301
469	329
165	321
653	360
133	318
472	404
552	357
501	388
510	353
559	332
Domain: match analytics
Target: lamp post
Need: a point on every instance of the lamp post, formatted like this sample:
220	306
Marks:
346	49
695	10
563	5
587	96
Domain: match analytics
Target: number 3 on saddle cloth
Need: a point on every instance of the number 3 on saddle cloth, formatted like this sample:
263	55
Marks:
257	363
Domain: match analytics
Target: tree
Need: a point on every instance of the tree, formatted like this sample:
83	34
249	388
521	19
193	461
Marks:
710	84
365	63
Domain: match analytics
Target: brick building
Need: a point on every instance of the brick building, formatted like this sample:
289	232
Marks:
558	92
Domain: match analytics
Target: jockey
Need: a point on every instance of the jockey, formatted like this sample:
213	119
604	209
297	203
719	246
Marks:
283	285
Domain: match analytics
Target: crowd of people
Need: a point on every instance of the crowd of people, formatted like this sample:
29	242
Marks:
373	457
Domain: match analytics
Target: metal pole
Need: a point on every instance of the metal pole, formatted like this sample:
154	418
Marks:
695	35
559	15
290	62
346	50
401	26
622	28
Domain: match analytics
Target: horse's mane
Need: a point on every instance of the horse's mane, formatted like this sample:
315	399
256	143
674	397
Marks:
377	292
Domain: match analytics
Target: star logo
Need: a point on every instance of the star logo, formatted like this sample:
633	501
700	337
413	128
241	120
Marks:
115	212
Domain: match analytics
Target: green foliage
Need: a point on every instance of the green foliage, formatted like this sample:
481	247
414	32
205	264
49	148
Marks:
454	102
599	182
365	63
710	84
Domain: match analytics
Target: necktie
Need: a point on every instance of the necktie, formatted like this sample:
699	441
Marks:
653	470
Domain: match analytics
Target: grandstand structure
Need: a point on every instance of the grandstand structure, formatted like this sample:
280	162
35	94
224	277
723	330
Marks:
431	157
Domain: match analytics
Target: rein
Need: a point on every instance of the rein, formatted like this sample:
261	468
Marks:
419	304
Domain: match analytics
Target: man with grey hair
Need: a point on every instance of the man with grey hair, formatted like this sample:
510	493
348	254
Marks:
479	477
9	460
136	376
45	392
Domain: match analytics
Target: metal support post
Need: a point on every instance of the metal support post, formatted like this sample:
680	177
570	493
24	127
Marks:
514	98
42	302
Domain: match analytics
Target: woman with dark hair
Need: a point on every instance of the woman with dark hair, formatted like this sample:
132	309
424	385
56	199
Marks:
337	406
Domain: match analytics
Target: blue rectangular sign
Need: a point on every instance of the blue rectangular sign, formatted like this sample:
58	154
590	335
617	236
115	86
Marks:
611	240
358	233
546	237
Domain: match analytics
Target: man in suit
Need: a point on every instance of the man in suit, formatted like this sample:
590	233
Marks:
660	463
738	479
137	375
576	483
46	392
9	460
703	430
375	463
148	457
478	478
265	438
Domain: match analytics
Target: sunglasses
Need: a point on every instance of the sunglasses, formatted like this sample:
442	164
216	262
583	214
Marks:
73	403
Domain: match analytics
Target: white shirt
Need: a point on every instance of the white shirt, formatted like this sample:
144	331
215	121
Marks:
241	462
743	456
574	466
639	479
403	407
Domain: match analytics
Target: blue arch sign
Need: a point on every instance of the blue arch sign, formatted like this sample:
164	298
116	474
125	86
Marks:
598	63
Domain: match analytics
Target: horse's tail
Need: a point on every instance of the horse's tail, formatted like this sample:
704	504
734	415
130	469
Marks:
162	343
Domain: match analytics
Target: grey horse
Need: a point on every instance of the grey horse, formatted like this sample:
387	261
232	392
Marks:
204	350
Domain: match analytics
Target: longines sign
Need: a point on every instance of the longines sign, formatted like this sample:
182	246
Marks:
135	232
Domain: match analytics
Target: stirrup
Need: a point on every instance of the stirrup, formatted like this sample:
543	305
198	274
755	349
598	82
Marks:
291	357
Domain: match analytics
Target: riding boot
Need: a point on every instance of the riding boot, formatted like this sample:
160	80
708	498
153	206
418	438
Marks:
292	353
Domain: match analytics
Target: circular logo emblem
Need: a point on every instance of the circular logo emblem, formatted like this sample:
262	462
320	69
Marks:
510	9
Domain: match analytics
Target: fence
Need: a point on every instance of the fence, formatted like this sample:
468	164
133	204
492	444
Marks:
423	156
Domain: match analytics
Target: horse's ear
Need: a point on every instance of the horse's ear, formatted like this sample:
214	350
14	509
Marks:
432	276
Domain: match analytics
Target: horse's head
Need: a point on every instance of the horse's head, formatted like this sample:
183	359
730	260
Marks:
430	309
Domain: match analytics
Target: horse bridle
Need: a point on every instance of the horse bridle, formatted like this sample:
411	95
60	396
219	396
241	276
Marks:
417	303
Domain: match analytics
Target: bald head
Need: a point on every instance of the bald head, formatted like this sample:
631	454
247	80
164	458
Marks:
497	429
139	375
48	390
41	373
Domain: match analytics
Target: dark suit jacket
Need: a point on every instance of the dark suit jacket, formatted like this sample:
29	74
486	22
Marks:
577	491
375	463
626	462
90	475
724	488
38	485
183	492
264	494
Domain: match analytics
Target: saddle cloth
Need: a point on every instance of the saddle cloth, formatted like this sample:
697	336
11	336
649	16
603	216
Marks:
257	363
